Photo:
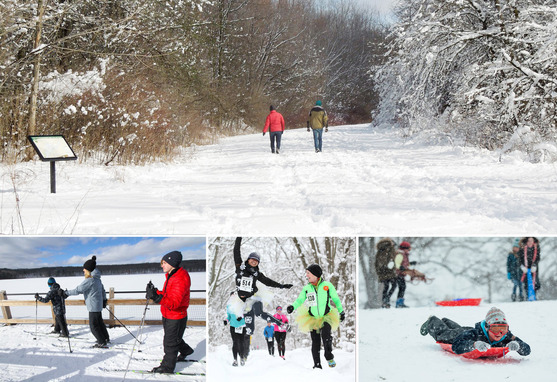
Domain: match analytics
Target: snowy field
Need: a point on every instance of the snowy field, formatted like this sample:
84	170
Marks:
366	181
47	358
392	349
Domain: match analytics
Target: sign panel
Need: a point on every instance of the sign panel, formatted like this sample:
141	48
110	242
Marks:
52	147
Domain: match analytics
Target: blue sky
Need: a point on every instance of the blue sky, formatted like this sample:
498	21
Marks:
35	252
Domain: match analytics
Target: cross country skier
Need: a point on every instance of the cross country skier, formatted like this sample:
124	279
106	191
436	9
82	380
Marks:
318	318
58	306
249	295
491	332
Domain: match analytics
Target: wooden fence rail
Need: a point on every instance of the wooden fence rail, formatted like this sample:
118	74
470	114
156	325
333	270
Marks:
7	318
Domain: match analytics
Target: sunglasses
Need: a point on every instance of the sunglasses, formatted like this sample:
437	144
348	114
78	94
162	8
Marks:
499	329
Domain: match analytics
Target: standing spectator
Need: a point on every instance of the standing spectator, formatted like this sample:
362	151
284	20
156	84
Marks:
513	271
280	331
174	300
318	121
275	125
95	299
269	333
385	268
402	266
529	255
58	306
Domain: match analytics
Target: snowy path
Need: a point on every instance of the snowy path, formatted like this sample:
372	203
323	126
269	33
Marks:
392	349
365	182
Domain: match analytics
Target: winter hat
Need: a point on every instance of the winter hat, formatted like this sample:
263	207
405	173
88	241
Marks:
173	258
51	281
315	270
90	265
318	103
271	108
279	307
255	256
516	243
495	316
404	245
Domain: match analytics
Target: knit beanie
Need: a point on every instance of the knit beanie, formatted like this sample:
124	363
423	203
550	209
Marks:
516	243
495	316
255	256
318	103
404	245
315	270
90	265
173	258
51	281
271	108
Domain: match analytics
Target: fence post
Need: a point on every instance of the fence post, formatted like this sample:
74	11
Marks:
111	306
6	312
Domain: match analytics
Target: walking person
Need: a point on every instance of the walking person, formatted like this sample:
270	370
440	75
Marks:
319	317
95	300
280	331
269	334
275	125
58	306
174	300
514	273
318	121
238	334
385	268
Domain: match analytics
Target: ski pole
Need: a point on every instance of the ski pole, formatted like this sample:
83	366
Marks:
36	319
112	314
138	335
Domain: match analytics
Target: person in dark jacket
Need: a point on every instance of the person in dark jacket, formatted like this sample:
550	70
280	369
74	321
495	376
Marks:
385	268
529	255
275	125
174	300
248	292
318	121
58	306
514	272
95	300
491	332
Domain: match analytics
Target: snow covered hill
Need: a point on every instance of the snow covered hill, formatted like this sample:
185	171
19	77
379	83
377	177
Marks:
392	349
367	181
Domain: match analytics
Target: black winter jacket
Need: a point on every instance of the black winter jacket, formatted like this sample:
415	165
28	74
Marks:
58	304
464	342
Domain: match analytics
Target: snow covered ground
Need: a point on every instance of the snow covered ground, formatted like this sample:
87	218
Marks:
366	181
392	349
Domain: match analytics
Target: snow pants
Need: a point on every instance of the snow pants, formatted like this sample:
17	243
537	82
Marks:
444	330
270	345
238	343
173	342
98	328
281	343
387	293
401	282
61	326
316	336
275	137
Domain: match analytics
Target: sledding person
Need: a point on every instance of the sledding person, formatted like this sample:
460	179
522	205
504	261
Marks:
58	306
491	332
529	255
280	331
318	121
250	295
238	334
275	125
95	300
513	271
319	317
385	268
174	300
269	334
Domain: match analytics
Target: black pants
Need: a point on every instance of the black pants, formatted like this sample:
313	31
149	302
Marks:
61	326
238	343
247	344
281	342
316	336
173	342
270	345
387	293
401	282
98	328
444	330
275	137
258	312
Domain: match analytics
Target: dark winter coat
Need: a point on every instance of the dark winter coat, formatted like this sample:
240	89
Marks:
513	266
384	260
529	256
247	276
58	305
464	342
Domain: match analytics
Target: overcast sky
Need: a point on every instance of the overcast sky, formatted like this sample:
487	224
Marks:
35	252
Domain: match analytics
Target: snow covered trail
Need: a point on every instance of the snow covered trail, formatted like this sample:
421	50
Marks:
366	181
48	358
392	349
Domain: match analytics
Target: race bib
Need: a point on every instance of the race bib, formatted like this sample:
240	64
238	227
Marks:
246	284
311	299
270	339
239	329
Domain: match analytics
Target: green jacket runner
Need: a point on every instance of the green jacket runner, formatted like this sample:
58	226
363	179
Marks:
319	298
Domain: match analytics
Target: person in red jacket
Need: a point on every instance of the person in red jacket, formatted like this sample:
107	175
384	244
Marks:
174	300
275	125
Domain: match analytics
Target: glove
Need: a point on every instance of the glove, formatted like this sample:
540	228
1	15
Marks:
342	316
391	264
481	346
104	303
326	129
513	346
524	269
263	133
308	128
36	296
413	263
289	309
239	318
225	322
534	269
286	286
152	293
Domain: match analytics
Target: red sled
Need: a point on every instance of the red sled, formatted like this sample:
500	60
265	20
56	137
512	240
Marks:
474	354
460	302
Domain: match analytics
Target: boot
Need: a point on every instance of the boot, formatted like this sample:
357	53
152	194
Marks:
332	363
235	363
513	297
400	303
317	366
